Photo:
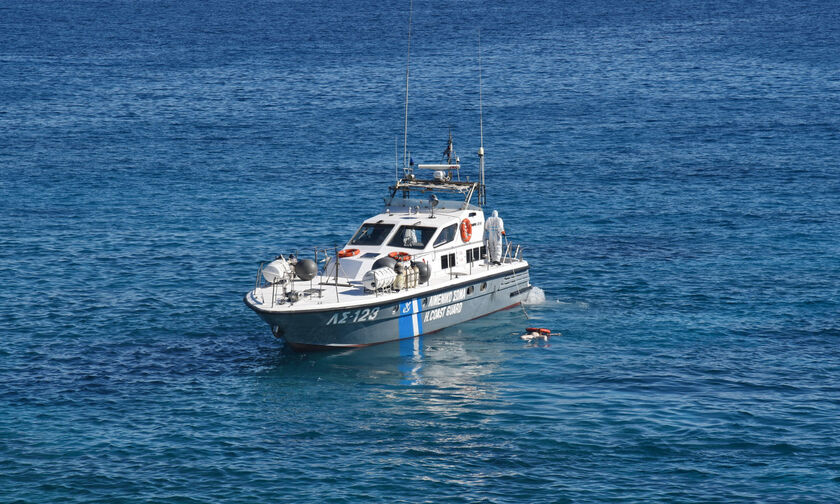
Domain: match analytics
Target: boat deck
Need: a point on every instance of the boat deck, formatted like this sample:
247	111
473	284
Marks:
324	293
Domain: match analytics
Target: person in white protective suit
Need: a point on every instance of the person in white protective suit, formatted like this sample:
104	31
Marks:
409	238
495	229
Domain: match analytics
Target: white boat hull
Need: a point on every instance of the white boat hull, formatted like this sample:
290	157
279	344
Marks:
416	313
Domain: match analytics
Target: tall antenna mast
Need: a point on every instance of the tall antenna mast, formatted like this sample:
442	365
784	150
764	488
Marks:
482	197
407	66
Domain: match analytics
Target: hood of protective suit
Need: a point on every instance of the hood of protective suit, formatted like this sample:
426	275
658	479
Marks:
495	213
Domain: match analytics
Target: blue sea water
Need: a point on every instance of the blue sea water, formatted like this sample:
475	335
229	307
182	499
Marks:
672	168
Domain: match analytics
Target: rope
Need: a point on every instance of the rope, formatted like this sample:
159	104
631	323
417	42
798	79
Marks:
515	281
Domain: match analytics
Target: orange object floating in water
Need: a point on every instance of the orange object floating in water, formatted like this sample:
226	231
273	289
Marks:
539	330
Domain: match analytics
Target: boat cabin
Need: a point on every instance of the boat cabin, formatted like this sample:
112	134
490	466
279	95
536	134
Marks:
423	221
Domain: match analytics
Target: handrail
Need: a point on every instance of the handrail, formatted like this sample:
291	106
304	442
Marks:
508	258
259	275
512	252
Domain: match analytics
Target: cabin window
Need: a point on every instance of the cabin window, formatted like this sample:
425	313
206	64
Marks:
415	237
371	234
474	254
484	286
446	235
447	261
470	290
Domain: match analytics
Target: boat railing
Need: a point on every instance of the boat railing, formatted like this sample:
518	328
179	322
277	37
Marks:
512	252
423	204
320	255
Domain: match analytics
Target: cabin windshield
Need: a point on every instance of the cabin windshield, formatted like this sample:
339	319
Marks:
415	237
371	234
446	235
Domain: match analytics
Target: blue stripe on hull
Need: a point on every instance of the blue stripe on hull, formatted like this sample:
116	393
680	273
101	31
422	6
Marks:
410	321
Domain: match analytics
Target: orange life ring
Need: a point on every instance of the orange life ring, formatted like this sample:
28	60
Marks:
540	330
400	256
466	230
348	252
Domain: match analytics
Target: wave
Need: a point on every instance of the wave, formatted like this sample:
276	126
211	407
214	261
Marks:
535	296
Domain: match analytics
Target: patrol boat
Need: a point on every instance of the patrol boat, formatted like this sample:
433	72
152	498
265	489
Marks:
420	266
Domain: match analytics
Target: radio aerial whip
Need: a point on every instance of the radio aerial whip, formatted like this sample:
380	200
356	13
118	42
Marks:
407	66
481	194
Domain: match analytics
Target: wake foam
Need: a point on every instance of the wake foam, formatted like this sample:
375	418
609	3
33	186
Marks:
535	296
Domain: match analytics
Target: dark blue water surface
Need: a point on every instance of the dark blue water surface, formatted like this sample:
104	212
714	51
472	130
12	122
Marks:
674	170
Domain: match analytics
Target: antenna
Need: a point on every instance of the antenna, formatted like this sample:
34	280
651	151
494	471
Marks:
407	66
482	197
